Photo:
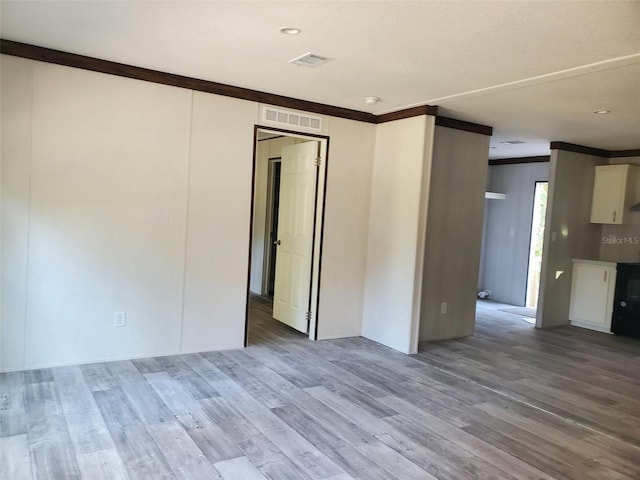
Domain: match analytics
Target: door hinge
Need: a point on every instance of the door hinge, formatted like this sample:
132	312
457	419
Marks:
318	161
308	316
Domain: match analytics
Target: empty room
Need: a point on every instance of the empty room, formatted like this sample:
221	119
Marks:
324	240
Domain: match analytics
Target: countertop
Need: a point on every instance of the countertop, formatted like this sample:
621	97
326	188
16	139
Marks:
595	262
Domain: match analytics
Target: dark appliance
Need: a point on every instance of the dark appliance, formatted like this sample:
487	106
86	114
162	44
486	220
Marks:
626	303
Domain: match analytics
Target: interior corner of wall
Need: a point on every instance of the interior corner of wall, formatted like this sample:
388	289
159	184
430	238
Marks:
326	125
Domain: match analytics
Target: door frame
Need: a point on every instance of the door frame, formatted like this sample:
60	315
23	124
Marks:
318	222
268	241
533	209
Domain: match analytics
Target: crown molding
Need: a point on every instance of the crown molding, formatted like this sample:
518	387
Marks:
48	55
572	147
598	152
58	57
462	125
624	153
514	161
408	113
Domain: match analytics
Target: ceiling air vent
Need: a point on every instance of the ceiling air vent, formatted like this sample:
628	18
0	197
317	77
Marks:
310	60
290	119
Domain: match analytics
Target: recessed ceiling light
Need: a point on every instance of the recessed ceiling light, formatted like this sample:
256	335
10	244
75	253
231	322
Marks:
290	30
371	100
602	112
512	142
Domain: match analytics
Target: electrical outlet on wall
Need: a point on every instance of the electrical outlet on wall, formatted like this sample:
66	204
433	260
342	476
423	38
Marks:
443	308
120	319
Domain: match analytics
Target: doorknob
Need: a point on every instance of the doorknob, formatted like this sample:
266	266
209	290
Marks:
277	242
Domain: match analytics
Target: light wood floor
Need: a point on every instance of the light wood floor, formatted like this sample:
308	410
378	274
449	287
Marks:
511	402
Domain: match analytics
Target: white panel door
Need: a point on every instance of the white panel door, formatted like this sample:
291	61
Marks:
295	235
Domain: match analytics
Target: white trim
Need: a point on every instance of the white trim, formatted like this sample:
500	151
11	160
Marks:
494	196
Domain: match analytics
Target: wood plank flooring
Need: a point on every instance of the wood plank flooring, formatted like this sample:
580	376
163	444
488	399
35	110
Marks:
511	402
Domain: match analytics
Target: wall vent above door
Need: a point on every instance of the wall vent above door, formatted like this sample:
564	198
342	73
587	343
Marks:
290	119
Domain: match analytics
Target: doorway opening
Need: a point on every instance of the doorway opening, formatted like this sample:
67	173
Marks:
286	233
271	230
513	236
536	243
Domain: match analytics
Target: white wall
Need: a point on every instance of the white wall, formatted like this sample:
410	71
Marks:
123	195
15	156
217	242
107	217
394	267
346	229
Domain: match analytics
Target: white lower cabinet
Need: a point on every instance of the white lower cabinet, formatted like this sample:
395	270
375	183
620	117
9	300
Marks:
592	289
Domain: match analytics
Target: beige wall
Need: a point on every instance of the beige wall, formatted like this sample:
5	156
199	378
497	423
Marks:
15	156
621	243
396	231
568	232
217	241
346	229
453	233
107	216
122	195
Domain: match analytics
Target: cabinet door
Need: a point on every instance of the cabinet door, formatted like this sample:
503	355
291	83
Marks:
590	295
608	195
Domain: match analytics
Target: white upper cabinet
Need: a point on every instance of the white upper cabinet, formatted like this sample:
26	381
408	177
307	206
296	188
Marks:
613	193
